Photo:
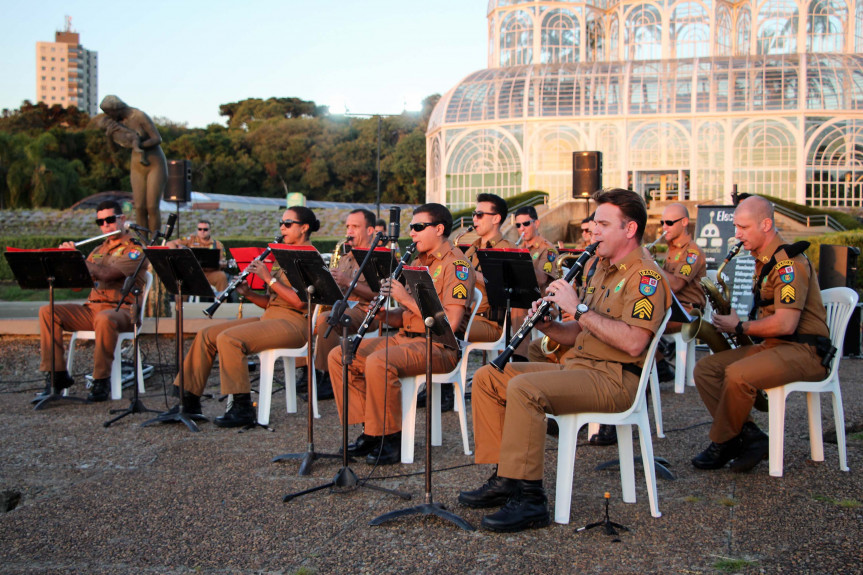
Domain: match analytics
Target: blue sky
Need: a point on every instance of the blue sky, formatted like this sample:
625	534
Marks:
180	60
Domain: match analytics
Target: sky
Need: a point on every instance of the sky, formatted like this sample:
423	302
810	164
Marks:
181	59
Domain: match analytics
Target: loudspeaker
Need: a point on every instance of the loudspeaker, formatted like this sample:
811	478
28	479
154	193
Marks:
586	173
851	346
179	188
837	266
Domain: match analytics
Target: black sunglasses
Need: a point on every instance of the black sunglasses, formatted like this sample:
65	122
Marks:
288	223
203	229
108	220
479	215
525	224
418	227
671	222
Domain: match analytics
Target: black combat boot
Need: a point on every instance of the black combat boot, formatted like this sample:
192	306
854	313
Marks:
755	447
364	445
447	398
607	435
240	414
493	493
387	452
718	454
192	404
324	385
526	508
100	390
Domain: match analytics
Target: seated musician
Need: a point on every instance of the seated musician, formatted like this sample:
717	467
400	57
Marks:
374	391
203	239
610	334
109	264
788	315
359	230
282	325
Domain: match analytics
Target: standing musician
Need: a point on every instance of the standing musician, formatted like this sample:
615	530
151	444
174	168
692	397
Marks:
282	325
788	314
109	265
203	239
374	390
359	230
624	305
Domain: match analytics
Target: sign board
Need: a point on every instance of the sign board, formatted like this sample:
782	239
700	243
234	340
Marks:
714	234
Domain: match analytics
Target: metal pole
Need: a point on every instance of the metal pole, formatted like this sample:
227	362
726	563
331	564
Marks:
378	197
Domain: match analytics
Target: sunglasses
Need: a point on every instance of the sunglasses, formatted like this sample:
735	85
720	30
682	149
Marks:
479	215
525	224
288	223
108	220
585	230
418	227
203	229
671	222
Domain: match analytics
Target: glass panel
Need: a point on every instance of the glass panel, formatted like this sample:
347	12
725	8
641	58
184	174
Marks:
643	34
516	39
560	37
825	24
834	165
777	29
689	31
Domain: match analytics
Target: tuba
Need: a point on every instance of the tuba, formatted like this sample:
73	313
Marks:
719	295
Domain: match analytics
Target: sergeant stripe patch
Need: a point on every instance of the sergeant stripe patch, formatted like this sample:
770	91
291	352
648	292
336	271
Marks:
643	309
459	292
787	294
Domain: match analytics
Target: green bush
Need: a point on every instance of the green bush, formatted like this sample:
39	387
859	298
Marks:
847	220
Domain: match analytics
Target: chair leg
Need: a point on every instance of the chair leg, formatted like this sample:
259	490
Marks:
265	388
117	372
839	422
816	437
566	445
657	402
409	417
649	468
627	462
680	364
436	434
690	363
776	416
291	384
140	374
462	417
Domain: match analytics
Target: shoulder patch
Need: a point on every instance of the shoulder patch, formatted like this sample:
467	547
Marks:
685	269
647	285
134	254
461	271
650	273
785	269
551	256
691	258
461	263
643	309
459	291
787	294
547	267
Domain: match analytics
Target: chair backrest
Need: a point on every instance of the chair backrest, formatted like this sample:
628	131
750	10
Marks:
839	303
649	359
474	305
148	277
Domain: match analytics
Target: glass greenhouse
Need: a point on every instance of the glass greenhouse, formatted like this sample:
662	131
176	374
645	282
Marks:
684	99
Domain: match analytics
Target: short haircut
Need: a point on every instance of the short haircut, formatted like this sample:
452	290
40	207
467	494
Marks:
588	219
306	216
367	214
529	211
499	204
110	205
205	222
630	204
381	223
439	214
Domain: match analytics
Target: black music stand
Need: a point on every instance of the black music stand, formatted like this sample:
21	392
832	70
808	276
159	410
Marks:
182	275
305	269
50	268
383	263
437	330
510	280
207	257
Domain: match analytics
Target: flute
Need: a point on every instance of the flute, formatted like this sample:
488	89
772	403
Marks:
220	299
95	238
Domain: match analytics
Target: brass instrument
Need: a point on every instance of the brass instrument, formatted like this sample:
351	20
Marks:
719	295
220	299
96	238
519	240
338	252
652	244
458	237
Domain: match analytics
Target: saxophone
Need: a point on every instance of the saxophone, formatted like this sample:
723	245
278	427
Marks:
459	237
719	295
338	252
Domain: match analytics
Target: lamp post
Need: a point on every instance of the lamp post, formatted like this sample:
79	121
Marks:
380	127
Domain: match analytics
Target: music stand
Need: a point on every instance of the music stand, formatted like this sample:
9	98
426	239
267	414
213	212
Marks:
383	262
244	256
510	280
305	269
207	257
50	268
182	275
437	330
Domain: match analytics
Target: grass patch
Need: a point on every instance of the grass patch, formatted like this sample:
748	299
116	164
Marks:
692	499
857	436
846	503
727	501
9	291
728	565
304	571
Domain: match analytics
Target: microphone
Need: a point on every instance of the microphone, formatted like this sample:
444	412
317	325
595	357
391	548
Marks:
136	227
169	227
395	223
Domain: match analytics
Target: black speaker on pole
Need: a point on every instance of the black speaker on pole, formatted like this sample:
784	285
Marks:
838	268
179	188
586	173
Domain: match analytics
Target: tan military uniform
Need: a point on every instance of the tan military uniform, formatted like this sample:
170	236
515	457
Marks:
374	390
483	328
98	314
282	325
217	278
687	263
509	408
728	381
348	266
544	254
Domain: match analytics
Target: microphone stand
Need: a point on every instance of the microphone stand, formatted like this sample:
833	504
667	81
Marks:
345	478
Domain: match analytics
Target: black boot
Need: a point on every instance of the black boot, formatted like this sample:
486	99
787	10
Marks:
62	380
607	435
718	454
325	386
525	509
240	414
192	404
493	493
755	447
302	378
364	445
387	452
99	391
664	371
447	398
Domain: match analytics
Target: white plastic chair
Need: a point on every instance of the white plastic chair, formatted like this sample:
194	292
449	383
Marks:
569	425
123	336
410	390
684	364
496	346
840	303
289	356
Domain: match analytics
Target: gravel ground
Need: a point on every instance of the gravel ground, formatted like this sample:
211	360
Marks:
161	499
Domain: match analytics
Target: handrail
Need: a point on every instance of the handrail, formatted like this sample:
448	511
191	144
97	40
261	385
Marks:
816	220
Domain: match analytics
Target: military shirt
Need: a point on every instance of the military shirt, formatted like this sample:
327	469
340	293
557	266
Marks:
544	254
687	263
634	292
123	252
495	242
194	241
791	284
348	266
278	307
454	279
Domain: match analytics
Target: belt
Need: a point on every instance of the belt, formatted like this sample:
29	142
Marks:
631	368
412	334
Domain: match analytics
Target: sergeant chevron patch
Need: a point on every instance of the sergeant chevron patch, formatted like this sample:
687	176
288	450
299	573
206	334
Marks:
643	309
788	294
459	292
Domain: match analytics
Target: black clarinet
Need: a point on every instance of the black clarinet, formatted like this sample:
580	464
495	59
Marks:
220	299
379	301
542	310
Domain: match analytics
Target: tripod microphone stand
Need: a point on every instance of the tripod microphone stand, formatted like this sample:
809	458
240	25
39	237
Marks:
607	524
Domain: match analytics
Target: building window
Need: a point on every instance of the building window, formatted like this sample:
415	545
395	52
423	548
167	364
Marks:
825	25
643	33
560	37
516	39
777	27
690	34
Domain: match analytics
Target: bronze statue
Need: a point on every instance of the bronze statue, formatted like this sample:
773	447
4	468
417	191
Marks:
148	167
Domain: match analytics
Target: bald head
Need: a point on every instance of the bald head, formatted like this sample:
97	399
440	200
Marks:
674	211
679	228
757	208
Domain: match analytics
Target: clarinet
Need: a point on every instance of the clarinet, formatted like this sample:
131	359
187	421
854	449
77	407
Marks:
379	301
220	299
541	311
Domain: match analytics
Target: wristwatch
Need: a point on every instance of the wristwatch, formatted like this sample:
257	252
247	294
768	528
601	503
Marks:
580	310
738	329
271	282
